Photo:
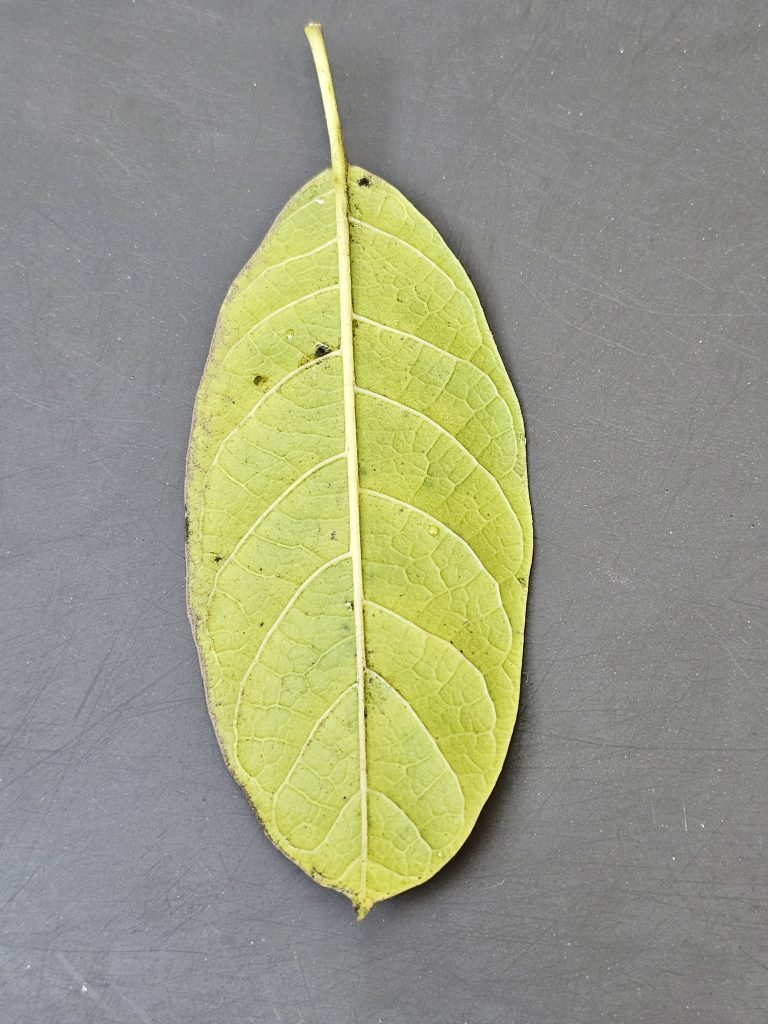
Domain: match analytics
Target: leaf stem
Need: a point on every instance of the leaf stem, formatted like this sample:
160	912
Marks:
314	33
339	167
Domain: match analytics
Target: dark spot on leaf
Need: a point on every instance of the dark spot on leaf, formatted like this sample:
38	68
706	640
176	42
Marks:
365	182
186	524
217	558
259	379
333	535
321	350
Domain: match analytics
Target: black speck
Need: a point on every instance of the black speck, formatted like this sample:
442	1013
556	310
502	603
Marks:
217	558
186	525
321	350
259	379
365	182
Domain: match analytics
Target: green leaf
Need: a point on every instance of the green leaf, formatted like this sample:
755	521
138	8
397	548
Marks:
359	535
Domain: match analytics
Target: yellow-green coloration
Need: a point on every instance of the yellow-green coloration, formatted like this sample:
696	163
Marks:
359	536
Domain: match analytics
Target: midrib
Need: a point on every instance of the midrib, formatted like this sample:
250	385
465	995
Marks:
341	191
353	490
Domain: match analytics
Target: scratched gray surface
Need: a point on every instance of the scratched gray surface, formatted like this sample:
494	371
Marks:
600	169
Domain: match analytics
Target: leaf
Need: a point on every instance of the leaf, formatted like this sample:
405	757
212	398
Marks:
359	535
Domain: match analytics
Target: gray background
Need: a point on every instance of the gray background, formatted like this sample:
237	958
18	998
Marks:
599	167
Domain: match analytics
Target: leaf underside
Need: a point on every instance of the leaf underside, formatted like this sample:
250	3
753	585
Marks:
368	785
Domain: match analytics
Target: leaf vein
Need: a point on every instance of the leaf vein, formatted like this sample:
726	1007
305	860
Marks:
418	252
428	419
270	632
270	508
282	263
407	816
334	823
442	640
428	344
276	312
420	721
267	394
447	529
310	736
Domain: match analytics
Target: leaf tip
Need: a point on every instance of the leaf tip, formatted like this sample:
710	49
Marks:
362	907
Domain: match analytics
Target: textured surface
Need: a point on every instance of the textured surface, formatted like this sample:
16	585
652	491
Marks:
369	781
617	234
